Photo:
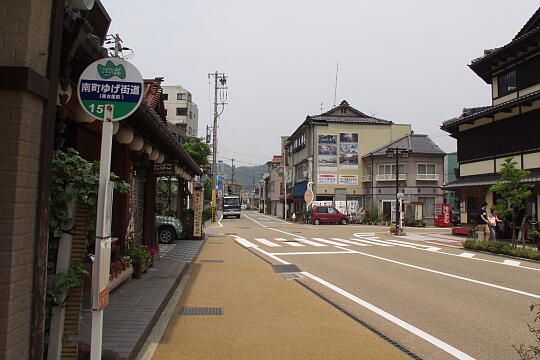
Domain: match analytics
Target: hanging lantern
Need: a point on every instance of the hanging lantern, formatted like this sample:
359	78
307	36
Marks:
154	155
82	116
124	135
160	158
137	143
147	148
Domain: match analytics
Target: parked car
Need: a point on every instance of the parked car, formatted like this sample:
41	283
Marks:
328	214
169	228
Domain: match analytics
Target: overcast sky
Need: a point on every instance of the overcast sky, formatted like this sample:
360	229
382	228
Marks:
404	61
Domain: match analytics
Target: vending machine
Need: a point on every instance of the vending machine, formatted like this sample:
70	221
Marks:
443	215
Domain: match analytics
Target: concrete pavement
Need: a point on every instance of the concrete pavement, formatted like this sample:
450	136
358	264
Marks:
264	316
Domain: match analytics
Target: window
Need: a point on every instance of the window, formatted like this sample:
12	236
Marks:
165	112
507	83
189	130
165	96
390	169
332	211
426	169
189	97
190	114
181	111
181	96
429	206
322	210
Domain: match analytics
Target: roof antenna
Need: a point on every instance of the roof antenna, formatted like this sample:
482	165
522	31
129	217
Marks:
335	87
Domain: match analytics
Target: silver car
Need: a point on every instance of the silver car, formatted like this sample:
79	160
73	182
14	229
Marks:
168	228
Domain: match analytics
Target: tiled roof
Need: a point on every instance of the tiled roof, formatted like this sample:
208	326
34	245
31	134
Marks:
415	143
351	119
533	22
487	180
152	96
470	114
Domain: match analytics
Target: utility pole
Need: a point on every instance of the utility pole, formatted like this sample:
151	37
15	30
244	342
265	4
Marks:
232	170
220	88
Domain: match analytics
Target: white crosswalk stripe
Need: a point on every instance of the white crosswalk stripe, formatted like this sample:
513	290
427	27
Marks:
267	243
293	243
373	241
312	243
331	242
352	242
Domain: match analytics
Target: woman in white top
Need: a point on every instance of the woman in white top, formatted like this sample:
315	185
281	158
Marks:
493	219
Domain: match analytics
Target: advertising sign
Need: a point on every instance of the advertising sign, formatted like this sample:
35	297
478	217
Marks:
327	139
327	179
198	196
341	206
348	137
348	161
327	149
418	216
322	203
352	206
348	179
348	148
110	81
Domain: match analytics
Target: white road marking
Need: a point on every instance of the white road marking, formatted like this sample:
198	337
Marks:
309	242
352	242
280	239
372	242
511	262
255	221
219	221
330	242
267	243
315	253
467	255
433	248
275	219
447	274
284	232
405	325
244	242
291	243
408	243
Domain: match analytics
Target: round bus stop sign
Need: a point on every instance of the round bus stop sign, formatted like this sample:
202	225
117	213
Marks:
110	81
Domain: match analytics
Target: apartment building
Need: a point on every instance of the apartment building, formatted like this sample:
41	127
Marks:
180	109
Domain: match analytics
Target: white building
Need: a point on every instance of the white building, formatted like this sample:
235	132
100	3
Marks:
180	108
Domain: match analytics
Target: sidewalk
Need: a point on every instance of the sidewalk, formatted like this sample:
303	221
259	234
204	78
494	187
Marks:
258	314
135	306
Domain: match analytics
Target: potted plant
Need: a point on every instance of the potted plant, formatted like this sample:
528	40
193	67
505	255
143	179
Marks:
140	258
393	229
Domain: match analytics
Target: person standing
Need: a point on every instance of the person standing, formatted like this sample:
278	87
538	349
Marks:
483	221
493	219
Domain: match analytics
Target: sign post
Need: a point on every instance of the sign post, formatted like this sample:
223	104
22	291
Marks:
109	90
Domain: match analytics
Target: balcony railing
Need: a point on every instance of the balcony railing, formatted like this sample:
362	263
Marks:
389	177
427	177
366	178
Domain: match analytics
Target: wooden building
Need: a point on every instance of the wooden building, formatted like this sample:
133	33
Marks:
508	127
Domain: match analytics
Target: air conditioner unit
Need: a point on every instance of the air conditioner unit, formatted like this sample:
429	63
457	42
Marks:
81	4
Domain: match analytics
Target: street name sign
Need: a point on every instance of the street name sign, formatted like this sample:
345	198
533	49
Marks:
110	81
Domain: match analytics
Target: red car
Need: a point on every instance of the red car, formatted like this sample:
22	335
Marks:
328	214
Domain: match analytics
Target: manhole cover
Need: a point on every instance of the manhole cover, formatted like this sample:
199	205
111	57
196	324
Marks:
291	268
212	311
212	261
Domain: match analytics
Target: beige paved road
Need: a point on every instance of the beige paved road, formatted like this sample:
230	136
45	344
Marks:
440	302
264	315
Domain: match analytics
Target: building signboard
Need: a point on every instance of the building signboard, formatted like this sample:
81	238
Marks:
348	179
341	206
327	179
348	151
165	169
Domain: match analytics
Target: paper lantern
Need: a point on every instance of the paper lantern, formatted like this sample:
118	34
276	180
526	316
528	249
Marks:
124	135
154	154
137	143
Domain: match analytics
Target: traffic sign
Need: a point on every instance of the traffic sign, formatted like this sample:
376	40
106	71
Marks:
110	81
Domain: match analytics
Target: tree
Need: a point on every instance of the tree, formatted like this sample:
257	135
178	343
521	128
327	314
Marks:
197	149
512	194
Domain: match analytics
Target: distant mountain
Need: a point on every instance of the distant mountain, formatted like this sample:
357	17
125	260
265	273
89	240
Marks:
245	175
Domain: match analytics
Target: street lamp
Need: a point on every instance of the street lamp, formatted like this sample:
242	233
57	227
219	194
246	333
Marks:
397	153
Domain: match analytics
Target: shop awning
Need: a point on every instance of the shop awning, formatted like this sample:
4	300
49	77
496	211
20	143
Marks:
486	180
300	188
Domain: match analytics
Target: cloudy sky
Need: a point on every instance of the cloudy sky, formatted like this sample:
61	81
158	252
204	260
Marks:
404	61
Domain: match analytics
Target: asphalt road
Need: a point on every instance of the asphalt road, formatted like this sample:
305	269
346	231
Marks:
422	290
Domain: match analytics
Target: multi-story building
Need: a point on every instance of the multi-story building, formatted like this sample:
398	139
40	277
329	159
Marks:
420	177
180	109
324	150
509	127
275	185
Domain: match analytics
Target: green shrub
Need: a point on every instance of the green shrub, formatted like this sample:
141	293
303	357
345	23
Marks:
502	248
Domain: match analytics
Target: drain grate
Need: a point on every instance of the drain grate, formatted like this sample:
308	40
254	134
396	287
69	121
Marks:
290	276
291	241
286	268
212	311
212	261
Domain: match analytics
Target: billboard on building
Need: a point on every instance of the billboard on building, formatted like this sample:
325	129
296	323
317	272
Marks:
348	151
327	179
348	179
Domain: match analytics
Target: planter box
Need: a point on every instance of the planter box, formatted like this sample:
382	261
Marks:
123	276
140	268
